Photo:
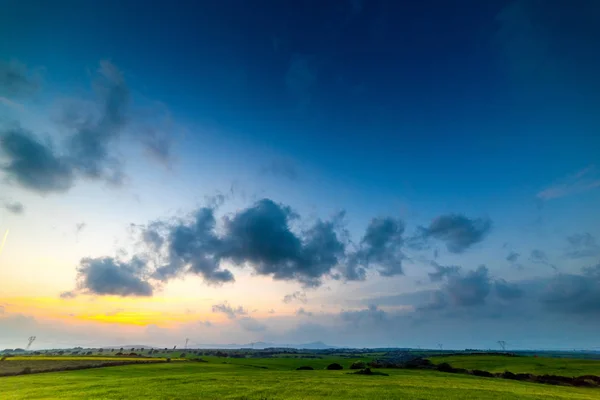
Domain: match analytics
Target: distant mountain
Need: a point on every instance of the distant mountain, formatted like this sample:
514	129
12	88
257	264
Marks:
265	345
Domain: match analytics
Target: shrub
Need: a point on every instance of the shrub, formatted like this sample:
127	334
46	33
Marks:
478	372
367	371
444	367
358	365
168	359
182	355
26	370
334	367
305	368
3	358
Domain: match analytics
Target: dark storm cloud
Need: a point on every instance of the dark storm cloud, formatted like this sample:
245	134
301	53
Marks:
582	245
574	293
107	276
380	247
442	271
462	290
299	296
14	207
34	165
281	167
16	80
227	309
457	231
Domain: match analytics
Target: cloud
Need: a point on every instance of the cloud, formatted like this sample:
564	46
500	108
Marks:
251	325
506	290
107	276
300	296
70	294
2	310
457	231
88	147
462	290
16	80
228	310
371	316
539	257
91	131
512	257
33	165
574	293
381	246
442	272
261	237
579	182
281	168
582	245
303	313
14	207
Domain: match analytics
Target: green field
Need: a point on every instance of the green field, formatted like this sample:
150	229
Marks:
228	378
534	365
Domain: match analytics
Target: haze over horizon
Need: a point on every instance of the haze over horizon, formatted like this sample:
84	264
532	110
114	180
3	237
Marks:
361	173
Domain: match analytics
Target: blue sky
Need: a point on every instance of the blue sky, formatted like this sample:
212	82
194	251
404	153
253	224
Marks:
451	134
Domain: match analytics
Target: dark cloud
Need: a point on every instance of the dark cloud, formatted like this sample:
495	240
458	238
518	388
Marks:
261	237
512	257
371	316
70	294
251	325
462	290
574	294
281	167
299	296
506	290
14	207
88	147
107	276
582	245
442	271
302	312
33	165
16	80
457	231
539	257
381	247
227	309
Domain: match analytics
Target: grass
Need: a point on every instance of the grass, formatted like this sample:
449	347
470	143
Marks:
237	379
535	365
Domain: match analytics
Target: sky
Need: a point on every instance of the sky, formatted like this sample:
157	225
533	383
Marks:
362	173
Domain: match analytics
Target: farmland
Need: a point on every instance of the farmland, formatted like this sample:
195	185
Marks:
534	365
277	378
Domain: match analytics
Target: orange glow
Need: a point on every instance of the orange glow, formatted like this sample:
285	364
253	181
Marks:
111	309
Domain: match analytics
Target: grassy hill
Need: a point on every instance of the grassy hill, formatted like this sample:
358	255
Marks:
226	378
534	365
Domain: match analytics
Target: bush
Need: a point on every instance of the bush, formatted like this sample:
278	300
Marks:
367	371
334	367
26	370
3	358
444	367
304	368
358	365
509	375
478	372
168	359
182	355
